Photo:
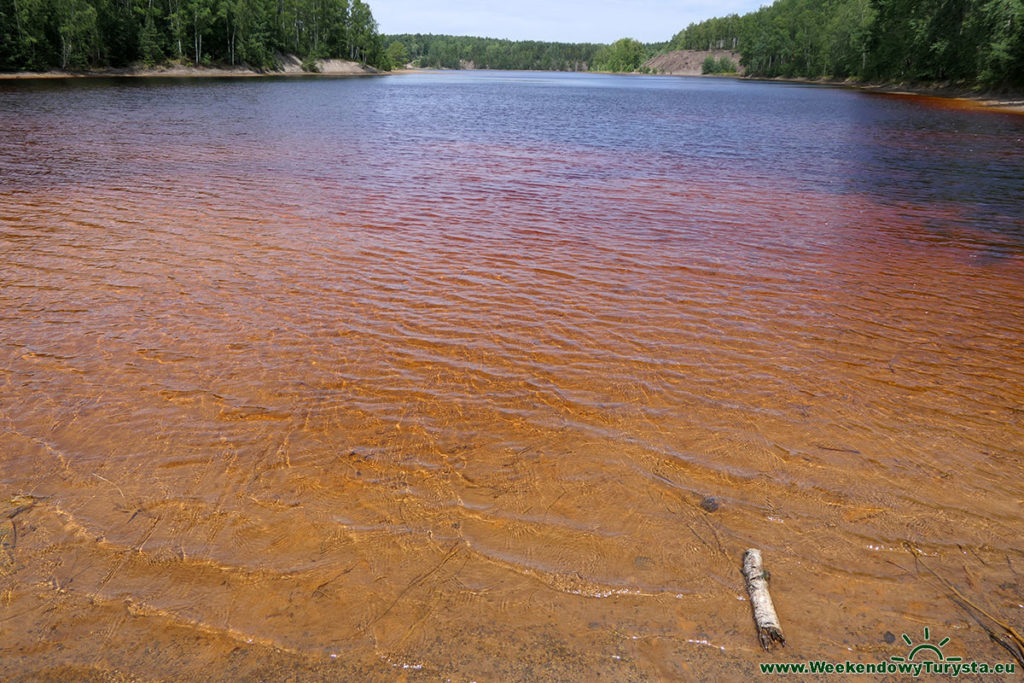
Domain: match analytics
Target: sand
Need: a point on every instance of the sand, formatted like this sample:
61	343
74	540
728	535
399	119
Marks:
290	65
688	62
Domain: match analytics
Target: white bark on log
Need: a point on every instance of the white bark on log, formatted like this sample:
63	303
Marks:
768	629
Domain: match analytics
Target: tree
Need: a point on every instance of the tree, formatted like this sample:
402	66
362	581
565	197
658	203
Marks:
31	24
624	55
397	54
200	15
968	41
847	38
362	31
453	52
724	65
1001	59
76	26
149	38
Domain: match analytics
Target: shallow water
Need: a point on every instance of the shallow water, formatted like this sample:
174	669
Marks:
433	375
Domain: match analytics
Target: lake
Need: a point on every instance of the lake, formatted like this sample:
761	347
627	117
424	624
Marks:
495	376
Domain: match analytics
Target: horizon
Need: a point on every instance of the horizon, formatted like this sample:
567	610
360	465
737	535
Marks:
566	21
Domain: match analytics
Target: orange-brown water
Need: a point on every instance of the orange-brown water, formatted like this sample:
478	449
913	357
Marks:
300	381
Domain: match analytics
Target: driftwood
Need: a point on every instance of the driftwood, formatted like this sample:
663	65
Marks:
998	630
769	632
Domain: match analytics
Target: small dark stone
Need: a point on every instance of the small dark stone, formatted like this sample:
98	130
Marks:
889	637
643	562
709	504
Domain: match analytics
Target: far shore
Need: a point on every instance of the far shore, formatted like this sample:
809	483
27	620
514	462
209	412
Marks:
291	66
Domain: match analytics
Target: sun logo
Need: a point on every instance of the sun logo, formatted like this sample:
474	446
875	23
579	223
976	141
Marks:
925	647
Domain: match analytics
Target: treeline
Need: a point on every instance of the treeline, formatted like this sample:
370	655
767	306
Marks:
973	42
626	55
77	34
458	52
461	52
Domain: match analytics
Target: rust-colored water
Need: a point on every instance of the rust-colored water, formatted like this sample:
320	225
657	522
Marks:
434	376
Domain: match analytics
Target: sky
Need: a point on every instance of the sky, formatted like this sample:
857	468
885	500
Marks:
570	21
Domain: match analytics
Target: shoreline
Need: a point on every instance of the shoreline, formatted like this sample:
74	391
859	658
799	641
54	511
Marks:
976	99
291	67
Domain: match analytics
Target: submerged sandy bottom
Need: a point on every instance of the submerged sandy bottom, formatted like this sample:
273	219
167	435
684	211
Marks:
468	428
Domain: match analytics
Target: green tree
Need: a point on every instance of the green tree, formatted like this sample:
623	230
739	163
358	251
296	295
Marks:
200	16
362	31
149	39
450	52
177	20
974	42
76	27
32	27
624	55
41	34
848	32
397	53
723	65
251	37
1001	58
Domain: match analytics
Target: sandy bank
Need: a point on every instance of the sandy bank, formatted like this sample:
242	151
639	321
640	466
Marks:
288	65
954	98
947	96
688	62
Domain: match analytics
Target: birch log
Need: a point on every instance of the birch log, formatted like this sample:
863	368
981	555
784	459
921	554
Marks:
768	629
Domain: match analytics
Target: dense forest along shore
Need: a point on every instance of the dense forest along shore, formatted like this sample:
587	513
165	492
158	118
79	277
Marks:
287	65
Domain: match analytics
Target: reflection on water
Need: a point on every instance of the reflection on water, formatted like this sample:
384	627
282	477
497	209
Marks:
428	376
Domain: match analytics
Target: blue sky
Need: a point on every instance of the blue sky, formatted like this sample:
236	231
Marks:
574	21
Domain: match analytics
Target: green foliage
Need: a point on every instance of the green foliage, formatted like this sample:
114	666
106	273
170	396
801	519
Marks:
721	33
624	55
150	44
973	42
72	34
76	29
455	52
723	65
30	34
1001	53
397	53
949	40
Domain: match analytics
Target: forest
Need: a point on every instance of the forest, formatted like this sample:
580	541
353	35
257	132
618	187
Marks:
457	52
966	42
969	42
428	51
460	52
79	34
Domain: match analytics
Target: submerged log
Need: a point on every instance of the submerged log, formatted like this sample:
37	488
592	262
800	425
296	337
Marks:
768	629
